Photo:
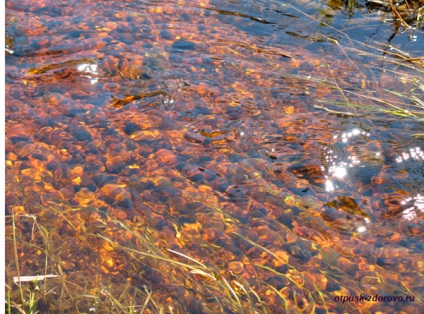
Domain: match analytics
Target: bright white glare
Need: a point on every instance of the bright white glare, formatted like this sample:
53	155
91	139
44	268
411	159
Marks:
168	101
414	153
413	38
91	69
411	212
340	172
338	164
419	202
329	186
361	229
356	131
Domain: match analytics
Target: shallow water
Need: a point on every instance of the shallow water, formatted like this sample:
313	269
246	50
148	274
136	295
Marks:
243	134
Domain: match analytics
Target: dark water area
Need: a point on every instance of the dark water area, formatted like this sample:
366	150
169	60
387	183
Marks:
214	156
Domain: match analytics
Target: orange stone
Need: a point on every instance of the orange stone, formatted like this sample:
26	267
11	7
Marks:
116	192
236	267
166	156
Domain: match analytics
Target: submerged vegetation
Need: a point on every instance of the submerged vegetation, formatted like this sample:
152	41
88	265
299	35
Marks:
202	248
408	70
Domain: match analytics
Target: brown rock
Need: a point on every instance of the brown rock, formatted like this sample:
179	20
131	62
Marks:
166	156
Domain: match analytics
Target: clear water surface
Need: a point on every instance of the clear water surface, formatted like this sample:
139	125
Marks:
260	139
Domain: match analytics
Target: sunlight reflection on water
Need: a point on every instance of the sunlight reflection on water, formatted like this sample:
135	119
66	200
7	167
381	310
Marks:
417	205
91	69
339	161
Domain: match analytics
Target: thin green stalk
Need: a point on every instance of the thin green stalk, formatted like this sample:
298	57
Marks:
9	308
32	302
15	248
